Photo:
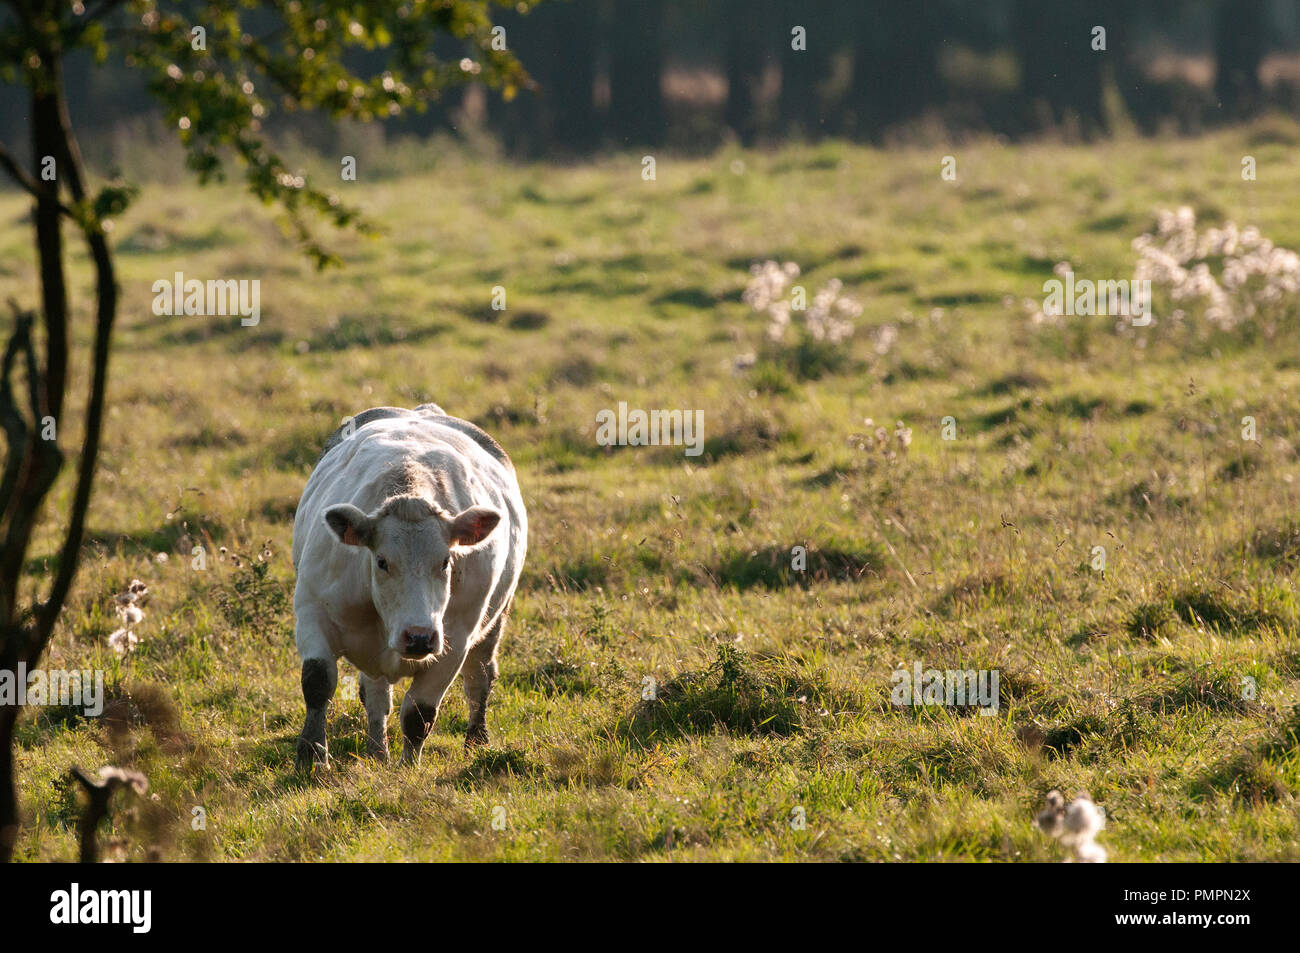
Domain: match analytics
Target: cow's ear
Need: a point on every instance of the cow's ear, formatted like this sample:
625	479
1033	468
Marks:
350	525
472	526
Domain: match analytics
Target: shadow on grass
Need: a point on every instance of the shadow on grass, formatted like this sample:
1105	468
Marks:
1224	612
350	332
1202	688
768	567
236	336
162	539
555	676
490	763
972	591
699	299
740	693
1279	544
1122	728
1268	773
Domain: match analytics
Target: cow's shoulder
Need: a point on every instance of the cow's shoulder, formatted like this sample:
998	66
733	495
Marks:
479	436
431	412
359	421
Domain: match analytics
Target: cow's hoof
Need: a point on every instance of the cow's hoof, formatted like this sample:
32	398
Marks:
377	751
312	755
476	736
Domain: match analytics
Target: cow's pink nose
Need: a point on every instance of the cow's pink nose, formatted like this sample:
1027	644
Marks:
419	641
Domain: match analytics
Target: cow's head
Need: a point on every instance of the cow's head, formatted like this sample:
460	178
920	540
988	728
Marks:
411	544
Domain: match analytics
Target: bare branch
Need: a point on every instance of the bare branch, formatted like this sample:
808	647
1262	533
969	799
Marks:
11	418
25	181
18	173
105	314
29	468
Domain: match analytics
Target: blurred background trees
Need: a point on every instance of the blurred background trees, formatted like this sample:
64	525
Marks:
630	74
615	74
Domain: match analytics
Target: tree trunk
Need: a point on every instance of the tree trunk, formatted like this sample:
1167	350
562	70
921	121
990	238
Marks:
572	75
1239	41
895	64
636	102
803	70
746	55
39	459
1062	78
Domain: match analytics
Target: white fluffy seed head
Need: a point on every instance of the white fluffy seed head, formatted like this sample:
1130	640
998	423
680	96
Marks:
1076	825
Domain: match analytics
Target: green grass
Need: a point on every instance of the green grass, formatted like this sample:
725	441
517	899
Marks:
772	686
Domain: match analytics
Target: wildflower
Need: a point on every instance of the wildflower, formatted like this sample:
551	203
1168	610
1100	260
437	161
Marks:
778	320
1075	825
828	318
122	641
1254	274
768	283
132	594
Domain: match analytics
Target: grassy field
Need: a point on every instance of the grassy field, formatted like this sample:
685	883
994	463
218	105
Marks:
773	685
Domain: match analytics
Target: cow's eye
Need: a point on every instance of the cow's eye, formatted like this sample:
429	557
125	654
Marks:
382	563
445	563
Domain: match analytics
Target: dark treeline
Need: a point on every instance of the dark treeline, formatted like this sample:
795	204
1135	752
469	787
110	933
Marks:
690	74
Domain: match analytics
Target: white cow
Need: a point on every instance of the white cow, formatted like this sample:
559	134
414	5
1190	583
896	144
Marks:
408	544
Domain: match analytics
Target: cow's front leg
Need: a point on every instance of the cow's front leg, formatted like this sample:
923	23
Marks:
377	696
478	675
320	676
423	699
